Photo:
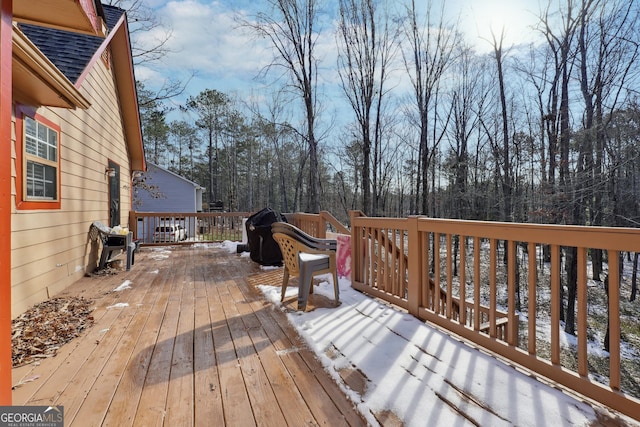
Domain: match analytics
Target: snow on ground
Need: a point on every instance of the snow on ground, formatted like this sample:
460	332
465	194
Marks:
125	285
414	369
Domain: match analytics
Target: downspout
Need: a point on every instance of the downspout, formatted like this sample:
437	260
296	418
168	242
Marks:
6	16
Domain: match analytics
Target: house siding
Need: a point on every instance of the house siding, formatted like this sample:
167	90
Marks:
50	249
176	194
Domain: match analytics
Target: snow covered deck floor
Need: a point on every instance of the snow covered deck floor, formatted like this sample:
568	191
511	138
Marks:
188	339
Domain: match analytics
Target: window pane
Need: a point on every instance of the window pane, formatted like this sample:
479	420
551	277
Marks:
41	181
53	137
30	126
50	189
37	171
42	132
38	189
42	150
31	146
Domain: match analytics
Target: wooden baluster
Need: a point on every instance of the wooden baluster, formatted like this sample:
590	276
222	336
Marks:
463	281
614	320
533	280
449	265
476	284
493	262
511	330
555	304
582	312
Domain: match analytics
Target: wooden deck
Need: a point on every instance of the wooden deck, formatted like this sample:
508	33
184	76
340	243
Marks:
196	345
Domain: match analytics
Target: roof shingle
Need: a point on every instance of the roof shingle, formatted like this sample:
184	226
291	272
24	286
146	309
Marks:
70	52
111	15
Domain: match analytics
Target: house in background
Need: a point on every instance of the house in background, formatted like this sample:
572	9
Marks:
165	191
71	144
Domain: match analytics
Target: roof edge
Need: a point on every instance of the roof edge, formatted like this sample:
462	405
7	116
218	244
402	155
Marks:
195	184
33	59
126	83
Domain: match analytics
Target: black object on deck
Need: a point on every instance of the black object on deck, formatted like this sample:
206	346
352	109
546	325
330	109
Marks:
263	249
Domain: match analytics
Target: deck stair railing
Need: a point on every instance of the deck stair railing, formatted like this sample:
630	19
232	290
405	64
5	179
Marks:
463	277
316	224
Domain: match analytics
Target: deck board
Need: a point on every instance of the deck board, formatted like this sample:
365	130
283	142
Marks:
197	345
128	393
207	398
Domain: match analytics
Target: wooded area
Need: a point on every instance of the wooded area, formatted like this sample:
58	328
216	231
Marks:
539	133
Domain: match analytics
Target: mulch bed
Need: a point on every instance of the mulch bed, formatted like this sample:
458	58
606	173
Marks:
43	329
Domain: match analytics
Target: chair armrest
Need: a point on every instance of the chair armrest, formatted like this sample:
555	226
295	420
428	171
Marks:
312	243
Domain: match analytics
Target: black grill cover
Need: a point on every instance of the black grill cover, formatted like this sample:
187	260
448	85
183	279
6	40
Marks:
263	249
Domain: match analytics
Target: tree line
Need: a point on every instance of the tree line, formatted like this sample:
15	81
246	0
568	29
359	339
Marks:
546	132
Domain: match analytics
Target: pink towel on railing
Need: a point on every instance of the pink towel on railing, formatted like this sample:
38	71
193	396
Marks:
343	255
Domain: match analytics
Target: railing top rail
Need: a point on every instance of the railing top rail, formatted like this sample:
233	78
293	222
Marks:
370	221
191	214
339	227
306	215
614	238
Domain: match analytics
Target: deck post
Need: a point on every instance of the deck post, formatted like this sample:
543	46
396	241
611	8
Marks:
322	226
6	201
356	248
414	266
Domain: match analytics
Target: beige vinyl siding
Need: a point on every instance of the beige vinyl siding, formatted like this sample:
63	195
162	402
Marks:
50	248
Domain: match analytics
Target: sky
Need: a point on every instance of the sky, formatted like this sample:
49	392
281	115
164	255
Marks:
412	367
208	46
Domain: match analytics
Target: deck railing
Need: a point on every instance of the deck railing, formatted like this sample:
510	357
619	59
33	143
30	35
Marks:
404	261
150	228
498	285
206	227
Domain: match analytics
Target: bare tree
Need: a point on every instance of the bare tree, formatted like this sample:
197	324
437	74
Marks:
430	51
273	123
607	52
366	47
503	151
560	43
143	21
467	96
291	29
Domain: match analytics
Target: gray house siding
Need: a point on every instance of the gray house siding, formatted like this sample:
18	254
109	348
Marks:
169	193
172	193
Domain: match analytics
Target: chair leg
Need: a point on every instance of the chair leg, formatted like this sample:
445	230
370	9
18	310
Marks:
305	283
104	256
336	287
130	251
285	283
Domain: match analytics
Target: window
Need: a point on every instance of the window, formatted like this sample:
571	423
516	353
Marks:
41	154
40	175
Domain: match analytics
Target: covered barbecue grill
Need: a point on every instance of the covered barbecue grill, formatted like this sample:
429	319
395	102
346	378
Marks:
263	249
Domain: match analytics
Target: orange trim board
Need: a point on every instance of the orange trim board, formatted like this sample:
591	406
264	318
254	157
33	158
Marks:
6	8
21	204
